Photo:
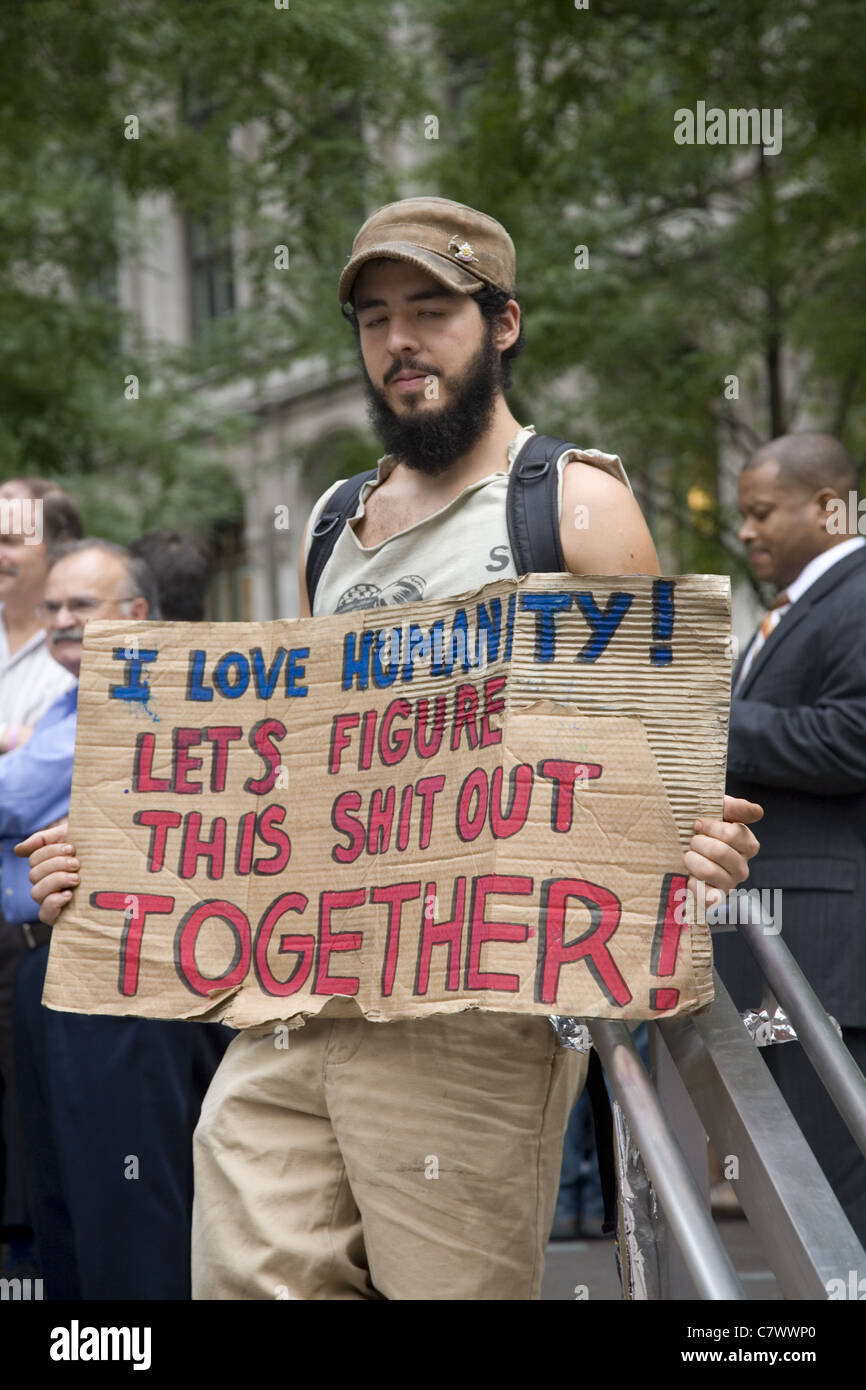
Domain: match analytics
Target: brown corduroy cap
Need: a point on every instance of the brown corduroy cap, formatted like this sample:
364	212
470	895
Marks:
460	247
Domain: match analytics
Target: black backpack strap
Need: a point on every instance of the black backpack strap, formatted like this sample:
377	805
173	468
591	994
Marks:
531	508
341	505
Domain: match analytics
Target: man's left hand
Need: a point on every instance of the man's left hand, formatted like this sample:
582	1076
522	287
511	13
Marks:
720	850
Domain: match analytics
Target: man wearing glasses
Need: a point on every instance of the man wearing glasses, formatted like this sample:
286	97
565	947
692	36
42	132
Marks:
107	1105
35	513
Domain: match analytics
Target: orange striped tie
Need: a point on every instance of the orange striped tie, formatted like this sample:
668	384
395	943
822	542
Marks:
771	617
768	622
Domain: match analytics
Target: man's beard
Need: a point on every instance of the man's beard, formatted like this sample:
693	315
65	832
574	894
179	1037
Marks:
432	440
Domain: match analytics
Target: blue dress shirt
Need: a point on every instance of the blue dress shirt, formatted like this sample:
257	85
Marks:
35	786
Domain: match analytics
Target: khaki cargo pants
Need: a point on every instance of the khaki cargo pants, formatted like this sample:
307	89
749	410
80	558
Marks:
414	1160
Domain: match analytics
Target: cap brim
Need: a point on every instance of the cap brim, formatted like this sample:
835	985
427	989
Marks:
454	276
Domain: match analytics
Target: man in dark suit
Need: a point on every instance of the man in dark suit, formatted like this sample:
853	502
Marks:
797	745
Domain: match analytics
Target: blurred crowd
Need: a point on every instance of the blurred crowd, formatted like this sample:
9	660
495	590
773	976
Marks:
97	1112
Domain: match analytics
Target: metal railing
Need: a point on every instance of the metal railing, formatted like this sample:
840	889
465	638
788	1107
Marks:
688	1215
711	1083
842	1078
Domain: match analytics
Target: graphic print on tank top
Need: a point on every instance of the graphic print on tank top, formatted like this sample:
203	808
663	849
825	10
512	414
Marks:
409	589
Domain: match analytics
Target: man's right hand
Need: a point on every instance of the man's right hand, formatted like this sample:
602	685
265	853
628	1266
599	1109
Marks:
53	869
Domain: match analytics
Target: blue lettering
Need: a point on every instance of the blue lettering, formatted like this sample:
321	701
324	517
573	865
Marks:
194	688
437	639
221	675
295	671
490	625
265	684
418	648
544	606
603	625
388	641
663	621
135	688
356	665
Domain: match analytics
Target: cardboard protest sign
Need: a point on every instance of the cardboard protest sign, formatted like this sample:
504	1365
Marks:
470	802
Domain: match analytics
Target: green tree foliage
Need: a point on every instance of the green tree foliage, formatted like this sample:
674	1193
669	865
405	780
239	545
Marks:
270	127
294	82
705	261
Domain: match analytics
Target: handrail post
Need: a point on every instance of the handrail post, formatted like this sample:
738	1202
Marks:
803	1231
688	1216
842	1078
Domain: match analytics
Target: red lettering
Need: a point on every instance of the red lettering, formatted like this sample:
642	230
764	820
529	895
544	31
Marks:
339	738
564	774
260	739
142	767
245	842
346	824
194	848
428	788
268	828
554	952
368	741
380	820
183	763
465	710
393	749
136	907
302	946
481	931
520	794
471	823
666	939
221	735
185	941
426	747
160	822
185	739
395	895
492	686
405	818
435	933
343	941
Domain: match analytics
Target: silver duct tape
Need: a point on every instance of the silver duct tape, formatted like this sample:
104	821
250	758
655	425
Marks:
641	1229
571	1032
767	1028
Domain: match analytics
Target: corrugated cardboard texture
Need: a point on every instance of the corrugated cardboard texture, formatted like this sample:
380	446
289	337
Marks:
505	836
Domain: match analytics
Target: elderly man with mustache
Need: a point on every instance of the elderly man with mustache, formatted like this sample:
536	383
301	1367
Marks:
34	514
108	1105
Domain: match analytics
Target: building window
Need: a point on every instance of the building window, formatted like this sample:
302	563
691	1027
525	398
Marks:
208	227
211	274
230	593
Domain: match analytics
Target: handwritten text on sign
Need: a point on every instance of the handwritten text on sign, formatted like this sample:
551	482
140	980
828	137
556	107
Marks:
477	802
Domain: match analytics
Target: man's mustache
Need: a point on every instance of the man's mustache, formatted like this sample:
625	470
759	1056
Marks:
10	569
399	367
67	634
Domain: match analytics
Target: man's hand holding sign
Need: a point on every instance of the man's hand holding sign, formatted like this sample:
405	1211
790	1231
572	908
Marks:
491	805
